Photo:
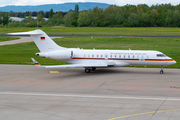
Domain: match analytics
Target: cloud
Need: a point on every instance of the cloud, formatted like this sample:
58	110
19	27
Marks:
6	2
41	2
117	2
148	2
35	2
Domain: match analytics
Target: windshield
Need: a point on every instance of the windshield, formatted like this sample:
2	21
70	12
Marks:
161	55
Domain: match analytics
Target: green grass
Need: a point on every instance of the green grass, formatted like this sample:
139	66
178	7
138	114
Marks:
99	30
2	38
21	53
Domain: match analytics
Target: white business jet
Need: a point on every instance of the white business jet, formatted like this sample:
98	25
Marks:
92	59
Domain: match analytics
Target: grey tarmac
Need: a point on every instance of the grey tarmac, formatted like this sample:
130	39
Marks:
124	93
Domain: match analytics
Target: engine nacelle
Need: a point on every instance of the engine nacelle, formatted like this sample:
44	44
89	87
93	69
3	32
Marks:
43	54
57	55
60	54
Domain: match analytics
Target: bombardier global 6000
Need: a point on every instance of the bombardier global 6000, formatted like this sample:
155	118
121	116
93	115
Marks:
92	59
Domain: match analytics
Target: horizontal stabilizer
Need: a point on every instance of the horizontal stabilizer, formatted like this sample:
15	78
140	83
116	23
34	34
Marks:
35	62
35	32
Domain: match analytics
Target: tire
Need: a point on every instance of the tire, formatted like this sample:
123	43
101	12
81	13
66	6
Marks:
87	70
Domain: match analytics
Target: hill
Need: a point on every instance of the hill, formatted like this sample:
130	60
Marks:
56	7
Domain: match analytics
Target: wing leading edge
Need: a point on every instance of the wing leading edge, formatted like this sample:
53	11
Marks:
70	66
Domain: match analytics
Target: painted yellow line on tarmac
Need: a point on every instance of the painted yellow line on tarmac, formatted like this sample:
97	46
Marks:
143	114
54	71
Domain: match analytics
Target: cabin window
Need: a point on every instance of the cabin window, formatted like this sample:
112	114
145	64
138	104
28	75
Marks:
84	55
160	55
119	56
88	56
97	56
111	56
124	56
115	56
128	56
92	55
133	56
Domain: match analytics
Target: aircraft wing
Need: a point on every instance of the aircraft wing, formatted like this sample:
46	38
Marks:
77	65
71	66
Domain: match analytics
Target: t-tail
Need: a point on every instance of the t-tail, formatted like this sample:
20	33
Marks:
42	41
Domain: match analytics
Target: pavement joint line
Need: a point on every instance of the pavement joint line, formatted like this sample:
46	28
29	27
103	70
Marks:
88	96
159	107
143	114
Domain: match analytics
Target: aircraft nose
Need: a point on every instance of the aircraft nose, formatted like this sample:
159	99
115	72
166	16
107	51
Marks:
171	62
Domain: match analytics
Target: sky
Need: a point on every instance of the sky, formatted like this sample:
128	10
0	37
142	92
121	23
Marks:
117	2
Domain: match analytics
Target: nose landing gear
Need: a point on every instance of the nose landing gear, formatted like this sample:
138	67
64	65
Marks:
161	71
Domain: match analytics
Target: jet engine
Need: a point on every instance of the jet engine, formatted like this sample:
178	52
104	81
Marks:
43	54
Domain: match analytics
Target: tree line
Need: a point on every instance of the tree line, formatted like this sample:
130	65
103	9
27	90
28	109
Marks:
28	13
164	15
32	19
160	15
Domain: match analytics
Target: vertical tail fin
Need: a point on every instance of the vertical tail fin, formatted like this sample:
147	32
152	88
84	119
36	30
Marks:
42	40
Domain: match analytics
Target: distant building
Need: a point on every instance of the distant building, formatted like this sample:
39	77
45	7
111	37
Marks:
20	19
36	18
16	19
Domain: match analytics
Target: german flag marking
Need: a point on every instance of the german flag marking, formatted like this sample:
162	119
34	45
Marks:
36	63
42	38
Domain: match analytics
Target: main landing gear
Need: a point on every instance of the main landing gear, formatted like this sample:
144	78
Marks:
161	71
88	70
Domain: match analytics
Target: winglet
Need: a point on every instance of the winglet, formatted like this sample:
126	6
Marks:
35	62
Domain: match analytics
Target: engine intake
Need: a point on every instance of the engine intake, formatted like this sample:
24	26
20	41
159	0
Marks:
42	54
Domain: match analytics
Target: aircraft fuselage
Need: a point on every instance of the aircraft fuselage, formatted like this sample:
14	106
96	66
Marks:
110	57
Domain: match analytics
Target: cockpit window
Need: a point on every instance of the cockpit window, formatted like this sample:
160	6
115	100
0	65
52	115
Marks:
161	55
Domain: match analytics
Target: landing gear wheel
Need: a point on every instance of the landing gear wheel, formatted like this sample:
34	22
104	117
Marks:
87	70
161	72
93	68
